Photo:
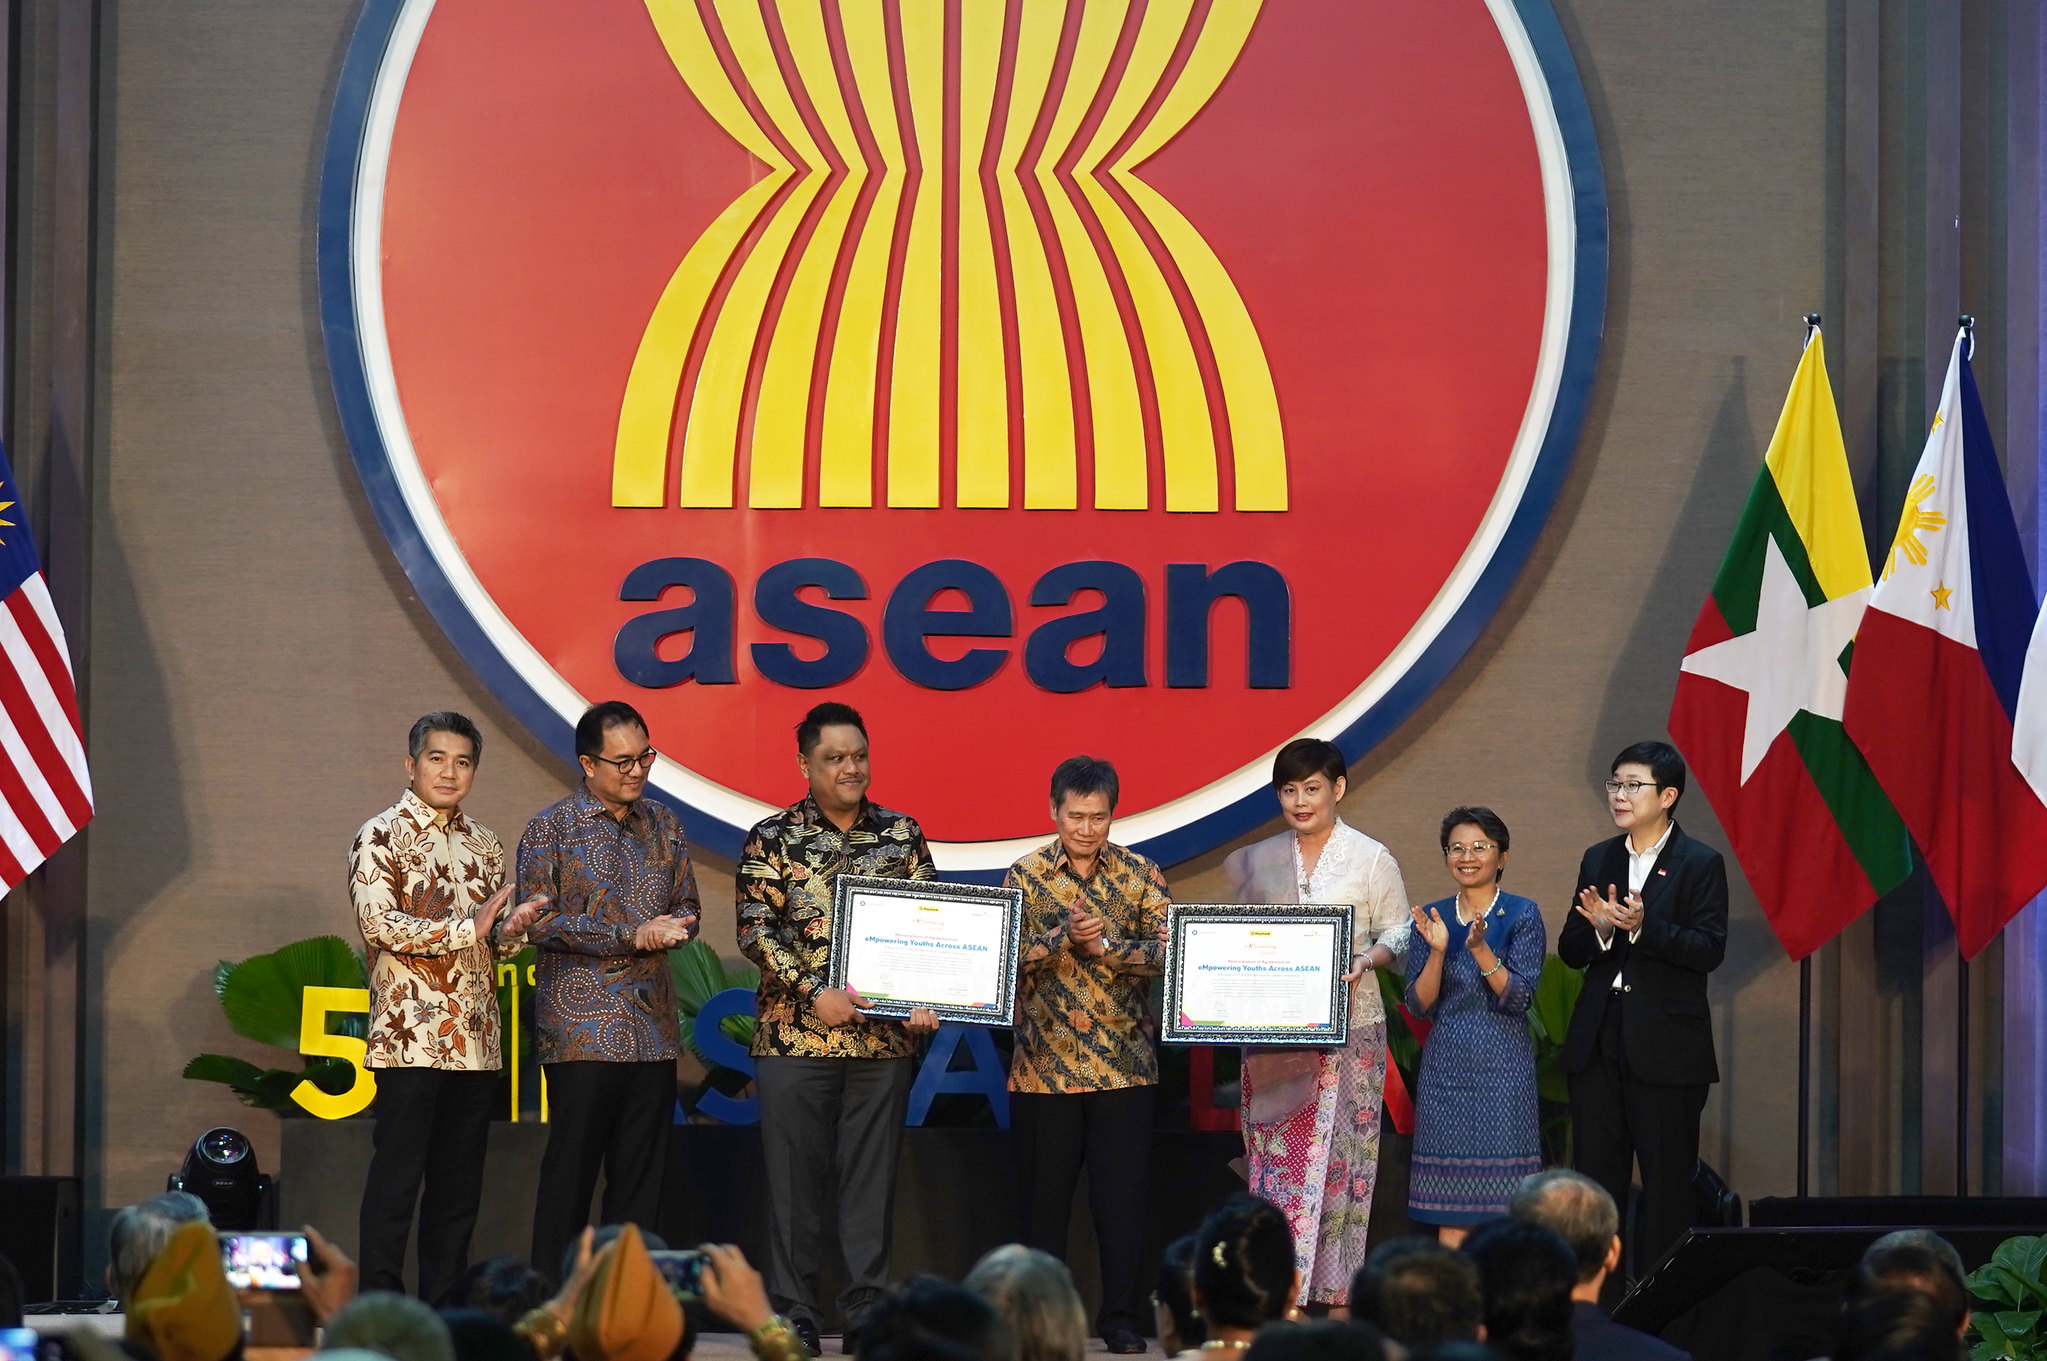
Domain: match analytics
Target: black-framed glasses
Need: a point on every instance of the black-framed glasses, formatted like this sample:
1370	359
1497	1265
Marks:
626	765
1630	787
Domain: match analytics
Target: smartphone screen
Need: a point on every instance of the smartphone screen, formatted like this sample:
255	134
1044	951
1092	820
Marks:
17	1344
683	1270
263	1261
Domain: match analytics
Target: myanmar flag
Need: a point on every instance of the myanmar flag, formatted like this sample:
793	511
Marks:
1758	708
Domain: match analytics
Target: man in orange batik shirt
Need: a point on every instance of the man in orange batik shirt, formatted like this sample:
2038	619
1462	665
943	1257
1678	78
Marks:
428	886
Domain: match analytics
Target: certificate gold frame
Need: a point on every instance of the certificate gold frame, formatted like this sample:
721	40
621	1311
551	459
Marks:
1179	1028
853	891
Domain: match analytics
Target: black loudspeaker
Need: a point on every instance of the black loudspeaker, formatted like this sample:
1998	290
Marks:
39	1234
1765	1294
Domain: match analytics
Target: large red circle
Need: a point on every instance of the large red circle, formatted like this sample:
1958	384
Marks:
1367	173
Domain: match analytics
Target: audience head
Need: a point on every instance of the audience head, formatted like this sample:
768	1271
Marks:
1525	1274
504	1286
1419	1293
181	1308
1917	1260
1455	1351
480	1335
11	1292
1180	1327
928	1319
138	1233
1321	1340
1244	1273
1898	1324
1034	1293
391	1325
1579	1210
627	1312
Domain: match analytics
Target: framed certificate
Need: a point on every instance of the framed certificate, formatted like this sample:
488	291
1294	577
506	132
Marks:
1257	974
905	943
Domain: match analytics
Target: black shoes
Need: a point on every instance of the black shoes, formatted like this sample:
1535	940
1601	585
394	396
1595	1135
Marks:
806	1332
1123	1342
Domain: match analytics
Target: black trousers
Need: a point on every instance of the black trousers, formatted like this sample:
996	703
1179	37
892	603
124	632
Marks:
432	1125
1618	1121
1110	1133
613	1116
831	1129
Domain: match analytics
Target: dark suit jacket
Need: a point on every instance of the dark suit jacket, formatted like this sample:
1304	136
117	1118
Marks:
1664	1022
1595	1337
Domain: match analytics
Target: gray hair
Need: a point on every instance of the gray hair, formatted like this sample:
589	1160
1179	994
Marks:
1576	1207
1034	1293
139	1231
392	1325
447	721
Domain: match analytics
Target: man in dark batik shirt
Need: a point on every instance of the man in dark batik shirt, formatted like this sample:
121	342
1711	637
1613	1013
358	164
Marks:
1083	1076
621	893
826	1074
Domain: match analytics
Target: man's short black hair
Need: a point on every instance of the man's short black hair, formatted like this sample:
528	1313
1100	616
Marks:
1897	1325
1419	1293
925	1310
1326	1339
1916	1260
1176	1279
599	719
829	714
1526	1274
1664	764
504	1286
1084	775
448	721
1305	757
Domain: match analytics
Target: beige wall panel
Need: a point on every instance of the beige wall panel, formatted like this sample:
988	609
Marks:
258	655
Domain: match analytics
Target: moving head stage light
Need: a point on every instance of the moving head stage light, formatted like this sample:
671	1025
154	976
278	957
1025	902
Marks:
221	1170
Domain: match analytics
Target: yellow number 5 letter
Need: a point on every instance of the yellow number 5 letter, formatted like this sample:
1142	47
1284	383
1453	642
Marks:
314	1040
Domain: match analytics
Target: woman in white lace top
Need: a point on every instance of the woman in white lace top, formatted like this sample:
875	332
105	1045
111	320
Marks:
1311	1116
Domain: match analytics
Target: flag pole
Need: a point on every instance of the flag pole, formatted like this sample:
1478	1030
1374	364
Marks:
1967	323
1804	1071
1812	326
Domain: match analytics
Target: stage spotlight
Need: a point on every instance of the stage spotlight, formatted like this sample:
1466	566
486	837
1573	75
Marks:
221	1170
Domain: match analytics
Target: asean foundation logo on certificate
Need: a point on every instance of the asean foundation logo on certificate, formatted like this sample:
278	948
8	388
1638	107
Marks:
1162	379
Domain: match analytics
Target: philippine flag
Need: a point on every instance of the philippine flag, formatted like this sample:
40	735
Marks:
1934	684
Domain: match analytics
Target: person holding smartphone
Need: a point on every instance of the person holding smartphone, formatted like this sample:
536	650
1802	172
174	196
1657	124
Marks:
428	886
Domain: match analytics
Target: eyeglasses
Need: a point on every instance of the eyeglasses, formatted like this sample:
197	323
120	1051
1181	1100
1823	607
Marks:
1458	850
626	765
1630	787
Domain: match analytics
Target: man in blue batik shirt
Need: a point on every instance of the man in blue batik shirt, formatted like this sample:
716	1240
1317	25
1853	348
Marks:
621	893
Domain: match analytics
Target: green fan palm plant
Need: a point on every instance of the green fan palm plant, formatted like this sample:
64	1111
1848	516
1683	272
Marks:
263	999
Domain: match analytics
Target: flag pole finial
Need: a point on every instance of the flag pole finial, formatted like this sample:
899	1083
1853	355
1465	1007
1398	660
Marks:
1812	324
1968	324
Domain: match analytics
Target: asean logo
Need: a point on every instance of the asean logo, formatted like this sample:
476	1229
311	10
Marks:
1162	379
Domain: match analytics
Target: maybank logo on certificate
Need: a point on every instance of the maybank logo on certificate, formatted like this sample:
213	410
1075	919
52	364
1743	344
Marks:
931	950
1273	976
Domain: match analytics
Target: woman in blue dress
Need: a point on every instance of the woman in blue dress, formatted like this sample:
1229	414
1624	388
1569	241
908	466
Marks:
1472	971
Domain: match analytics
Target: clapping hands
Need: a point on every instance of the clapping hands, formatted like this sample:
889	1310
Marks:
1085	930
1609	914
663	933
1429	924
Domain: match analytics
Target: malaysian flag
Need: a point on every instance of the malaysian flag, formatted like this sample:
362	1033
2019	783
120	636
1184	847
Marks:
45	791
